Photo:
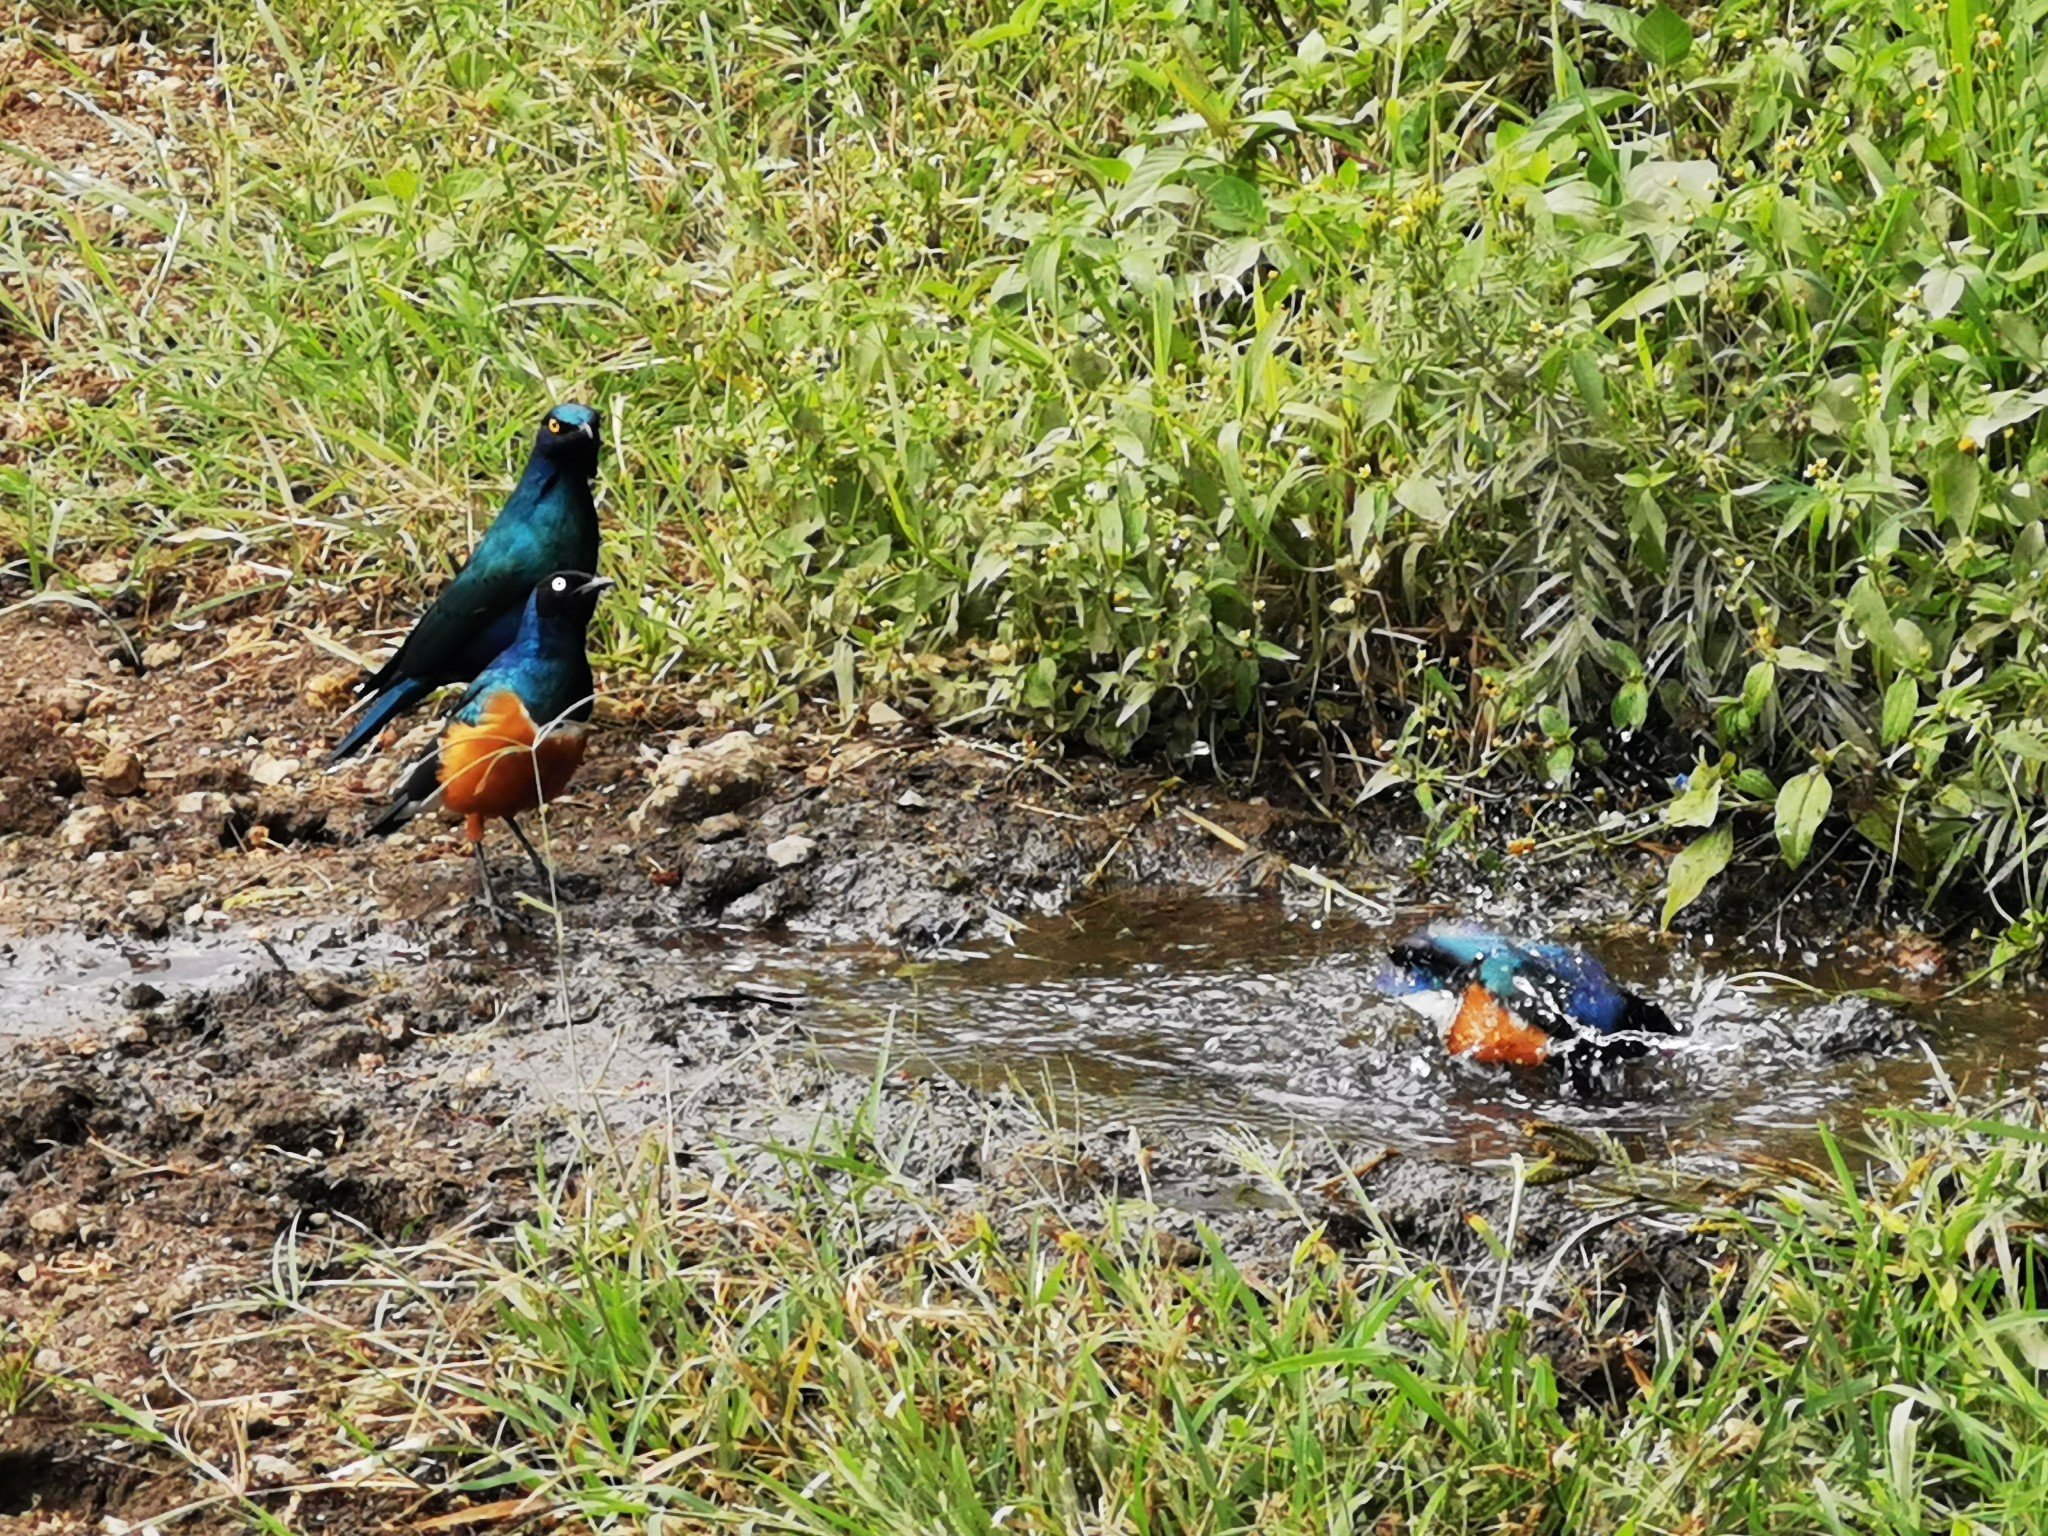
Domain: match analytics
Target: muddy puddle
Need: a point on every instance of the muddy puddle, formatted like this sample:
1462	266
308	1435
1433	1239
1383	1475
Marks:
53	983
1180	1014
1195	1014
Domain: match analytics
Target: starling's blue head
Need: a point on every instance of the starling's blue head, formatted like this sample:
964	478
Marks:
568	436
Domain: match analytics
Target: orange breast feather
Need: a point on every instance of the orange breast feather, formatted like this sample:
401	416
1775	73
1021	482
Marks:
494	768
1487	1032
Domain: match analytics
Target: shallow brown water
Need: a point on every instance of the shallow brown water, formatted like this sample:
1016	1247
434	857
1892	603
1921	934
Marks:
54	982
1196	1013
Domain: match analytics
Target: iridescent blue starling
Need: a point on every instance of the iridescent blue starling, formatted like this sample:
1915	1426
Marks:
548	524
1506	1001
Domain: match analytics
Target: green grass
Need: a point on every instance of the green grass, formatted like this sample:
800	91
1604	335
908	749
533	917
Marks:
832	1347
1422	391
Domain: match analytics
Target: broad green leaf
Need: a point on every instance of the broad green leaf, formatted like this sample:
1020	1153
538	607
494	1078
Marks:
1953	488
1662	37
1557	766
1911	642
1601	250
1802	804
1653	298
1422	496
1620	22
1020	25
1873	616
1233	258
1383	779
368	208
1884	828
1591	386
1631	706
1941	290
1757	687
2023	336
1040	678
1553	722
1900	702
1874	164
1756	784
1695	866
1792	658
2007	408
1377	402
1699	804
2023	743
989	565
1838	405
1234	204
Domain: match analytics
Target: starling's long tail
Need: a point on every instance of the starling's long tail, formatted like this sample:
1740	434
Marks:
422	782
407	692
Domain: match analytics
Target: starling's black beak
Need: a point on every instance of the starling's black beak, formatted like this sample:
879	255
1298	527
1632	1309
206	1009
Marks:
597	584
586	429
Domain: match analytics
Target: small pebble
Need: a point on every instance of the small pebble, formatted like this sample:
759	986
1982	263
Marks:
120	772
90	829
788	852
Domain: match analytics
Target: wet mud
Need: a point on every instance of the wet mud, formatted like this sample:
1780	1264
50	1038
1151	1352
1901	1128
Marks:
229	1025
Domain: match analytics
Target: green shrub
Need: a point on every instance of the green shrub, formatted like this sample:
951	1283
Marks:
1437	387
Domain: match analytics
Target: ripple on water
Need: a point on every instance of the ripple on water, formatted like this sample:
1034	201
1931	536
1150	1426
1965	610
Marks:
1191	1013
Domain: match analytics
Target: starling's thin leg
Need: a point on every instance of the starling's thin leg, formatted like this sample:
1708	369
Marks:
540	865
483	875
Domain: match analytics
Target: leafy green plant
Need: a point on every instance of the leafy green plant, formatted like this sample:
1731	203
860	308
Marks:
1167	377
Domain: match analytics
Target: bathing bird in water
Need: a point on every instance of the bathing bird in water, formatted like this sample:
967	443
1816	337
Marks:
1502	1001
548	523
517	736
